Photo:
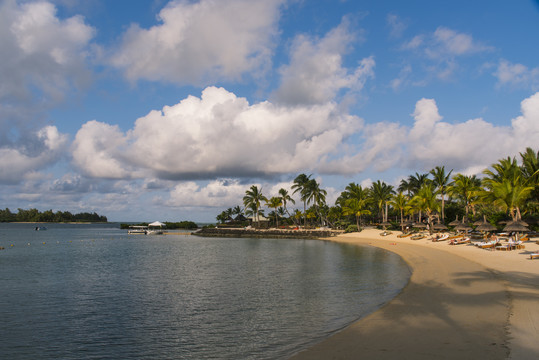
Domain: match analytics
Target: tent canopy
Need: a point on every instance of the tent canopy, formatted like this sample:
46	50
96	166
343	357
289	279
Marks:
157	223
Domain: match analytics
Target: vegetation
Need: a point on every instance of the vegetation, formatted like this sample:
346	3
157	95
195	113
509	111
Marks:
34	215
507	190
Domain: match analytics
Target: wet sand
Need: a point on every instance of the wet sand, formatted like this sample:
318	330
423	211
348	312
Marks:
462	302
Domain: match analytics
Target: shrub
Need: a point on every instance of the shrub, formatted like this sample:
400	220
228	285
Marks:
351	228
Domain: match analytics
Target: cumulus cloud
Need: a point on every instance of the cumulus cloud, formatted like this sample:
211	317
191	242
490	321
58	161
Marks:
220	193
198	42
473	143
216	135
315	74
517	75
41	149
96	151
42	56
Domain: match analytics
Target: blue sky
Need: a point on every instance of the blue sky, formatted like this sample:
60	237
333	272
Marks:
170	110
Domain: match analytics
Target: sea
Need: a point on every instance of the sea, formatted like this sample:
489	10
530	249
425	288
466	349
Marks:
91	291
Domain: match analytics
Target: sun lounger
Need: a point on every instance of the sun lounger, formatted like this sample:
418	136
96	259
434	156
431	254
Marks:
385	233
404	235
534	256
417	237
441	238
460	241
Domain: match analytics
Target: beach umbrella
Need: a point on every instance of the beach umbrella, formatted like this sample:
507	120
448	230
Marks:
439	226
419	225
385	223
485	226
515	226
463	226
479	222
455	222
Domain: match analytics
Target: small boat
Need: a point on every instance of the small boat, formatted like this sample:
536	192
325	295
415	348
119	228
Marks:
137	230
40	228
417	237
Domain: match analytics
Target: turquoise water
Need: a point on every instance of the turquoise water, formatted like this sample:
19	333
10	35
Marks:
94	292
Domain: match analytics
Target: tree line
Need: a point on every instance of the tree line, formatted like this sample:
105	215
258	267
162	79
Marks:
508	189
34	215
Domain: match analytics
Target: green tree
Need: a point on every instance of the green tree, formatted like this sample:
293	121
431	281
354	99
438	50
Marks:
381	194
300	183
441	181
274	203
252	200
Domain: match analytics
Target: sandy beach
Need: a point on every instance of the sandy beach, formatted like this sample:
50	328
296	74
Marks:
462	302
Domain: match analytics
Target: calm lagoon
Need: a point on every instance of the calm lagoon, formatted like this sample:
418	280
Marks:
94	292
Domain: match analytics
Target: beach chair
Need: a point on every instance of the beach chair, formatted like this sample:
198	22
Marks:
534	256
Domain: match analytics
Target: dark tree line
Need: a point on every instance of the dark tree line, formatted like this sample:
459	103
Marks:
34	215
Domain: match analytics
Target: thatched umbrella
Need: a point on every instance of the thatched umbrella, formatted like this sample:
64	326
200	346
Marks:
419	225
479	222
455	222
485	226
516	226
385	223
439	226
463	227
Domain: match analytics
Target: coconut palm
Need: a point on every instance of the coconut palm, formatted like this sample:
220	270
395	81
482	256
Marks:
465	188
356	207
285	199
274	203
506	187
400	201
300	183
441	181
315	195
425	200
530	172
252	199
381	194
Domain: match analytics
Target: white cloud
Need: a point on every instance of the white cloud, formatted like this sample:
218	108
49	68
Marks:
41	149
517	75
220	193
315	74
96	151
474	143
200	42
42	56
217	135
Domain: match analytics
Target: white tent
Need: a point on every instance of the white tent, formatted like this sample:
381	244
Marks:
157	223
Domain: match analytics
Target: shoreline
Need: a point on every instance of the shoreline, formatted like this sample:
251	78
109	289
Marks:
461	302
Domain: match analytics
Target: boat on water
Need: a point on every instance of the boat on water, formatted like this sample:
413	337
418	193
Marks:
155	228
137	230
40	228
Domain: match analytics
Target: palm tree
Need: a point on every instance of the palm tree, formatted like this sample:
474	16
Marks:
274	203
252	199
300	182
425	200
416	181
356	207
466	189
381	193
285	198
530	172
506	187
441	181
312	193
400	201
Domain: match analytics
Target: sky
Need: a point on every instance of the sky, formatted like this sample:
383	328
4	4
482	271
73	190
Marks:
171	110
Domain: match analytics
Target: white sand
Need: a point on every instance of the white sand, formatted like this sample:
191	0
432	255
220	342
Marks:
462	302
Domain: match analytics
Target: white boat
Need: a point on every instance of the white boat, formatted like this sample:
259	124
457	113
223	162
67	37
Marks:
137	230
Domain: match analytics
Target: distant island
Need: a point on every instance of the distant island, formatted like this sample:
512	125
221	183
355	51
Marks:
34	215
